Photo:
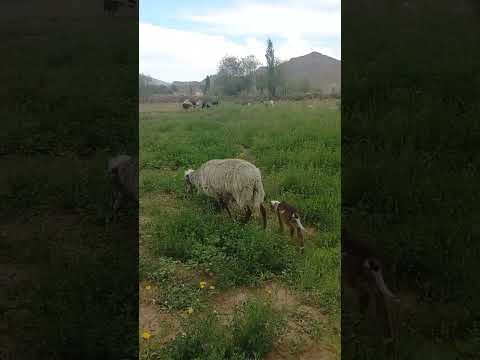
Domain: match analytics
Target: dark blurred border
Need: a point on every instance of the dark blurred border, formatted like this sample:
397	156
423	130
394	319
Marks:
69	95
410	166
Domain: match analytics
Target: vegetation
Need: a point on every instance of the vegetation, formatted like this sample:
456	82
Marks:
59	252
410	172
271	68
300	165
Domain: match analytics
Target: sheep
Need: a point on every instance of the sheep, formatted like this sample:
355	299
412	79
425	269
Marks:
230	180
289	216
215	102
187	104
270	103
123	171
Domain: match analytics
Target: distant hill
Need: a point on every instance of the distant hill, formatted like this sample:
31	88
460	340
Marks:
148	80
322	72
184	87
314	71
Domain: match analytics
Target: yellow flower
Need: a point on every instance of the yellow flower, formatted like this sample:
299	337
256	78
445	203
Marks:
269	291
203	284
212	287
148	287
146	335
190	311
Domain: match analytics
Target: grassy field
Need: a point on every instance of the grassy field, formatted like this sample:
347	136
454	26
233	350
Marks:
66	110
410	172
213	289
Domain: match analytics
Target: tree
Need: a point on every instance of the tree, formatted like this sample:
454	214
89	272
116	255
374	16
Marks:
248	66
207	85
271	68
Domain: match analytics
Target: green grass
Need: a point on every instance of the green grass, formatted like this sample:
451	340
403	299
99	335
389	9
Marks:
70	102
298	152
410	169
249	336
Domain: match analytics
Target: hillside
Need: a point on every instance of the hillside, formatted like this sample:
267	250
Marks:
322	72
313	71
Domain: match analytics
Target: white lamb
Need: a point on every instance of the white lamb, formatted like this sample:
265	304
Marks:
230	180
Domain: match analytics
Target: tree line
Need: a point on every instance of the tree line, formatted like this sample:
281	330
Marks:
241	76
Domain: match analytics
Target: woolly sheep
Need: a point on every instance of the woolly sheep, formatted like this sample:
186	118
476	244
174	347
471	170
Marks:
230	180
123	170
187	104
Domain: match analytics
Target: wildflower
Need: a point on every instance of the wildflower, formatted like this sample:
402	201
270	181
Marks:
269	291
148	287
190	311
203	284
212	287
146	335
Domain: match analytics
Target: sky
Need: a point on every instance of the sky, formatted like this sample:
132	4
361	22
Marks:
185	40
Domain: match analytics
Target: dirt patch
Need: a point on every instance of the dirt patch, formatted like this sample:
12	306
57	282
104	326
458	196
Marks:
299	339
311	231
162	325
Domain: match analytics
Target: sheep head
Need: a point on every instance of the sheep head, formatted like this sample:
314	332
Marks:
373	270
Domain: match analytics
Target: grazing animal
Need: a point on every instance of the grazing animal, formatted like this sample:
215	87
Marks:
187	105
205	105
362	271
270	103
230	180
215	102
289	216
123	171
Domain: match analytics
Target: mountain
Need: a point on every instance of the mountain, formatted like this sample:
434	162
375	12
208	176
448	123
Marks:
187	87
148	80
319	71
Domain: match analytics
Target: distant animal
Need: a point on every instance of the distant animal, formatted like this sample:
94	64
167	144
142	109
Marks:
230	180
362	271
269	103
289	216
205	105
187	105
194	102
215	102
249	104
123	171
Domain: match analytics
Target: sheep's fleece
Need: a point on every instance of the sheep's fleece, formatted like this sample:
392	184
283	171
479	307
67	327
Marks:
235	176
126	176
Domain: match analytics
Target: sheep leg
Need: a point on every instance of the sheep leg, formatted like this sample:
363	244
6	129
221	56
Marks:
300	238
118	197
248	215
264	215
292	230
224	204
280	221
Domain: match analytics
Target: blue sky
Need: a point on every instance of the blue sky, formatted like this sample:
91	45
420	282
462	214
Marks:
185	40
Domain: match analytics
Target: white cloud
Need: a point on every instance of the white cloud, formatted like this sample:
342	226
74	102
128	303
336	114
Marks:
299	27
273	19
170	54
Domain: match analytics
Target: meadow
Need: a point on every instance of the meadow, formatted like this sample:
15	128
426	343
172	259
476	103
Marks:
211	288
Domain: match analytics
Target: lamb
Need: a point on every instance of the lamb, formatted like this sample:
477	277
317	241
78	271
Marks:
289	216
123	170
270	103
362	272
230	180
